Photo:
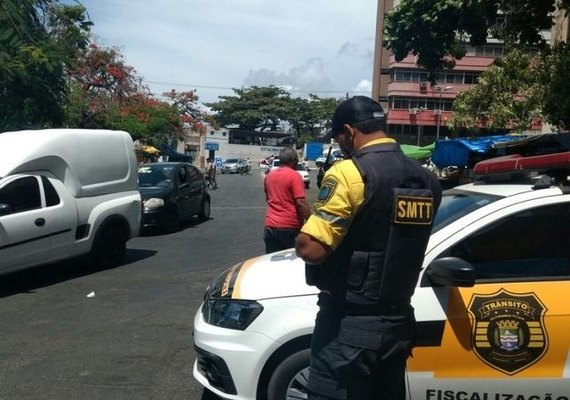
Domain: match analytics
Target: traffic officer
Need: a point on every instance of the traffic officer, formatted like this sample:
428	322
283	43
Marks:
363	247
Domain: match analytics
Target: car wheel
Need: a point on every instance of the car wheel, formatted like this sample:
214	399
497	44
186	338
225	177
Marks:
205	213
172	222
289	381
307	185
110	246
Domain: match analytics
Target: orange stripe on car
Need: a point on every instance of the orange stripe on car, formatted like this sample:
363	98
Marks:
242	271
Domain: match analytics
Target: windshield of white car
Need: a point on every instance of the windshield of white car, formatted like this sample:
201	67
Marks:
301	167
457	203
231	161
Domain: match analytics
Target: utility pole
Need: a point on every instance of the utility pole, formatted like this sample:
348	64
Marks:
439	110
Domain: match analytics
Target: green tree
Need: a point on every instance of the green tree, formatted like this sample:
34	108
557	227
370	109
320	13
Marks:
106	93
149	120
100	84
436	30
187	105
37	39
555	77
262	108
509	94
312	115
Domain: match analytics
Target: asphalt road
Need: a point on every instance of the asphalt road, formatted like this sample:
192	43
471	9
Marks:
133	338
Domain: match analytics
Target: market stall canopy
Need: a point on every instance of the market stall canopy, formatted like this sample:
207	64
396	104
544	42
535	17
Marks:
417	152
465	152
148	149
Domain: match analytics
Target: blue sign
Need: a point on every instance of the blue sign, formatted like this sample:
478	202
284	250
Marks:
212	146
218	161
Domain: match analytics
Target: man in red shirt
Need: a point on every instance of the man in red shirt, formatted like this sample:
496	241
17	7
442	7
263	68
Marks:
287	208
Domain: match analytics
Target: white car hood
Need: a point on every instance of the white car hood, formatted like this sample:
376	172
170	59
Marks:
280	274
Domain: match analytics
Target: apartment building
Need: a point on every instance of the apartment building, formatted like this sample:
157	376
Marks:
418	111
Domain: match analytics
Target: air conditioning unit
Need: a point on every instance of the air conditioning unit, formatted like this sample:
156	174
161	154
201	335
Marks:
437	112
413	111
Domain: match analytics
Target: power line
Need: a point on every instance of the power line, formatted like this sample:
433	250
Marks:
230	88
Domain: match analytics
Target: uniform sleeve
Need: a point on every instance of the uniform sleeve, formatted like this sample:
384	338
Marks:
340	196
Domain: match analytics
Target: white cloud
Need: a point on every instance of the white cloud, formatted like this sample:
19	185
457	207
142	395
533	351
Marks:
216	45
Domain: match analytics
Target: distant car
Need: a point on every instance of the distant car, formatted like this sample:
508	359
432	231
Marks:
172	192
301	169
335	155
274	165
304	174
234	166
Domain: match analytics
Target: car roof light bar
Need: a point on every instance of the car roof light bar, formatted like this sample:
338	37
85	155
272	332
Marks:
518	163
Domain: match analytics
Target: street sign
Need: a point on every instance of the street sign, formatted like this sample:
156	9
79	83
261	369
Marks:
212	146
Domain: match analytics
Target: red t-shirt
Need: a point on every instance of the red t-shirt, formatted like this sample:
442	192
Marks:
282	186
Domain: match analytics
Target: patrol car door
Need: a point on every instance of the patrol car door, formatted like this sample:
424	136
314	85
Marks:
24	237
508	336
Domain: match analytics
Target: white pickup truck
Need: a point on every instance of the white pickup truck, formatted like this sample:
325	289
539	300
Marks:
65	193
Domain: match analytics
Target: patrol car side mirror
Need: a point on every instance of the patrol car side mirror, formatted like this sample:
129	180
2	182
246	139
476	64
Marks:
451	271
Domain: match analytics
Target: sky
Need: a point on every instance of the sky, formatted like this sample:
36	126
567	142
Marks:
323	47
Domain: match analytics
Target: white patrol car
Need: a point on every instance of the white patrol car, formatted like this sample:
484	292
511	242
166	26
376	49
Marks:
493	316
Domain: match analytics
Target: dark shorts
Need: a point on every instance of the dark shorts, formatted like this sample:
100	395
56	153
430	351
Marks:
279	239
359	358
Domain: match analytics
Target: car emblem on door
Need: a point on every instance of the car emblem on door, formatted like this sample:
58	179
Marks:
508	330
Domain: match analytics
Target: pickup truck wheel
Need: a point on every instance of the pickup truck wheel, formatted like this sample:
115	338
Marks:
110	250
289	381
205	213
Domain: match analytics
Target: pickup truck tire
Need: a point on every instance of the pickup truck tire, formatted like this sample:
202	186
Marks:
110	247
289	381
204	215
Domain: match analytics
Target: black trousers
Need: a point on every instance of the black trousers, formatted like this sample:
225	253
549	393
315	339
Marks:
277	239
360	357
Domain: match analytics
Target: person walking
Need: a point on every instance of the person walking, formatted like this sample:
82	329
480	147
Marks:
287	207
363	247
211	174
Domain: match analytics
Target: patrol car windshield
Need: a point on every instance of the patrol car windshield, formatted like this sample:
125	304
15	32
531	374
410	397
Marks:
458	203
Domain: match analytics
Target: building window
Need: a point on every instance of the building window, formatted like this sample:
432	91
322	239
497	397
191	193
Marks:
426	103
490	50
397	129
400	75
455	77
471	79
211	132
224	134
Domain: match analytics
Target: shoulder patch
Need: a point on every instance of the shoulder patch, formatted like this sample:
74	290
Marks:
413	210
328	187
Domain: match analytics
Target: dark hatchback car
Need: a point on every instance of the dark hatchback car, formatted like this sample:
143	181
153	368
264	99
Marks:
172	192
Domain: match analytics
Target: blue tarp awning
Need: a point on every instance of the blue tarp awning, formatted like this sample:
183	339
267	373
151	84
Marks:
173	155
464	151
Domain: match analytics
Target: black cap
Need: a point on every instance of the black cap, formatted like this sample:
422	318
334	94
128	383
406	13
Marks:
356	109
